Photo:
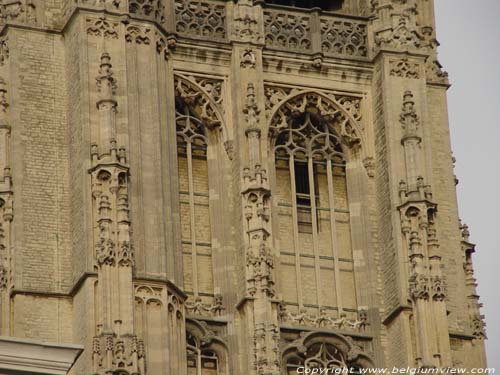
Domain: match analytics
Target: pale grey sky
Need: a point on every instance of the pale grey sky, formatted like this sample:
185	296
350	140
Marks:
469	33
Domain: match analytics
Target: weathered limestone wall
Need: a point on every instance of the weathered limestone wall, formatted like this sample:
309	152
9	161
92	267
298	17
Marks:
101	252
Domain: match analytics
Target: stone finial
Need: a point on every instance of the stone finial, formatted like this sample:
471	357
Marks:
106	83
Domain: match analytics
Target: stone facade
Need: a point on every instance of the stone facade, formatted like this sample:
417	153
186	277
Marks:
209	187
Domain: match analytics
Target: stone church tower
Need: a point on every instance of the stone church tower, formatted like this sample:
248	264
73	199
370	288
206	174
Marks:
214	187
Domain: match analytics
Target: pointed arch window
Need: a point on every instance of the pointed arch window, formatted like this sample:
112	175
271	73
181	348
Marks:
192	150
206	352
312	199
200	361
320	351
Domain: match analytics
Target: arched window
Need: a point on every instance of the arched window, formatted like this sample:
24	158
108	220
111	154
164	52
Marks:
200	361
313	214
206	352
330	5
324	352
192	149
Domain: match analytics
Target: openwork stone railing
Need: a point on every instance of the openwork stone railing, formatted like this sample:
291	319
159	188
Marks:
288	31
203	19
313	32
293	30
340	36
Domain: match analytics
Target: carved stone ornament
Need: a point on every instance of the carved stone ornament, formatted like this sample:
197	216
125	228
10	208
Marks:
200	19
478	326
18	11
147	8
4	277
332	110
114	354
266	349
419	286
403	36
165	46
197	307
323	319
404	68
138	34
4	51
248	59
102	27
287	31
325	351
438	285
251	109
246	29
204	96
343	37
409	118
434	71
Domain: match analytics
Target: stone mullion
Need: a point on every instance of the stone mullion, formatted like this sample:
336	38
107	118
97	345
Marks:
296	241
334	239
192	219
314	213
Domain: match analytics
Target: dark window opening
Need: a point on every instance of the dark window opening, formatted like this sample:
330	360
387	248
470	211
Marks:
303	196
330	5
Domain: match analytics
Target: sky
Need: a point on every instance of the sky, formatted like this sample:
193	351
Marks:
469	33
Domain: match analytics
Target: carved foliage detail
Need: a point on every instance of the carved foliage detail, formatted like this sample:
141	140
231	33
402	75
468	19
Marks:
204	96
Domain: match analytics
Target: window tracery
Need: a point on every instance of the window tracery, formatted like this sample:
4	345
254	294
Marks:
323	351
310	137
206	352
192	148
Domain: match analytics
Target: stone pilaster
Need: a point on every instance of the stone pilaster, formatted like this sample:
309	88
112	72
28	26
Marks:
6	212
259	305
115	346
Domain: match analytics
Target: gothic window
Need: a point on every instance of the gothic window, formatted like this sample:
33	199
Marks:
200	361
329	5
324	352
192	149
313	216
206	352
